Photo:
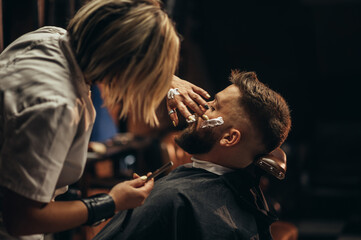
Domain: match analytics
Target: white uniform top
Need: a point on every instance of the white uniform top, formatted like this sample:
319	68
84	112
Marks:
46	116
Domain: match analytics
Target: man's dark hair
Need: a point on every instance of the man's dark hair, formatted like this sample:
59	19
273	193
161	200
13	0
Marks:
267	109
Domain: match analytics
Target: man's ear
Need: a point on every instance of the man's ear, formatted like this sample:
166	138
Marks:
230	138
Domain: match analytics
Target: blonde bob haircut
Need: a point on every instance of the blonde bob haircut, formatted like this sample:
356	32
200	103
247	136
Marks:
131	47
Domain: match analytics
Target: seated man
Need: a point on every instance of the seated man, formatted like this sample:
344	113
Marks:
218	195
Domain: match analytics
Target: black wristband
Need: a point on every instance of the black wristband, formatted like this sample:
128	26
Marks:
100	208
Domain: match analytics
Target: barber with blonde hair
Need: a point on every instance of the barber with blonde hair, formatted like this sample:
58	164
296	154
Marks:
131	48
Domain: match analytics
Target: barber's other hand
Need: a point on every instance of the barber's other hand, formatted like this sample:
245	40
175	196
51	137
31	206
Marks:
190	96
131	194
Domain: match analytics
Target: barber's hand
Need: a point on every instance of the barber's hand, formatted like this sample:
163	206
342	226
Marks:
187	96
131	194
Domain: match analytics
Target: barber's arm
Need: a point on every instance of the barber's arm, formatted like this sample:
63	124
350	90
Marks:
23	216
185	95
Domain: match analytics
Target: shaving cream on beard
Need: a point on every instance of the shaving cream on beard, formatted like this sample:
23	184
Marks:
212	122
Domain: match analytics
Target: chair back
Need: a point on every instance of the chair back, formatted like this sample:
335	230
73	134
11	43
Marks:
274	163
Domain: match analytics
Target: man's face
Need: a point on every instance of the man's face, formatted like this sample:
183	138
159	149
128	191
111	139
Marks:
197	140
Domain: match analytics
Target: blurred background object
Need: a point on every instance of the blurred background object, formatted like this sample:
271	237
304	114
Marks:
309	51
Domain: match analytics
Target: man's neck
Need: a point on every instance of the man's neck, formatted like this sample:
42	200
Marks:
205	157
226	158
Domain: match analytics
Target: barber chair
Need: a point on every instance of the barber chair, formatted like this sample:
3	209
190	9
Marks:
275	164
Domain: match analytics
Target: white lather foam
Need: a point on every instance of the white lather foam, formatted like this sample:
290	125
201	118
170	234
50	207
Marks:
212	122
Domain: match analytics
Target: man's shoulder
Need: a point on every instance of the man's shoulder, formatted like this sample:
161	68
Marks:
188	171
185	174
182	183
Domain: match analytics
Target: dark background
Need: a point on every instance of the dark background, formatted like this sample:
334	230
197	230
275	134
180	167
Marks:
309	51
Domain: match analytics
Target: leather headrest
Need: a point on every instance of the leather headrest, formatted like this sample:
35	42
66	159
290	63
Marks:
275	163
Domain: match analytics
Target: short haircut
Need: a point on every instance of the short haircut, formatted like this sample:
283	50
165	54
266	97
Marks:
132	47
267	109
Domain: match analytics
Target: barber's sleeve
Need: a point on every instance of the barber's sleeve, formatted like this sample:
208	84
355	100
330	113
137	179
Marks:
36	143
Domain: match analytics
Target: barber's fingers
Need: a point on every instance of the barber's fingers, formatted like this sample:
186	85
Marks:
141	183
147	187
182	109
199	94
142	187
183	102
135	175
130	194
183	84
189	96
137	182
193	101
172	113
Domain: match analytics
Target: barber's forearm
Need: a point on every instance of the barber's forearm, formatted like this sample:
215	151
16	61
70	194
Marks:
52	217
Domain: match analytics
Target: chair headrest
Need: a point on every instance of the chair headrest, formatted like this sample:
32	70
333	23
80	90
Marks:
275	163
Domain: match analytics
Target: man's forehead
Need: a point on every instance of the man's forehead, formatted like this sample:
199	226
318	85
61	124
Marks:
228	93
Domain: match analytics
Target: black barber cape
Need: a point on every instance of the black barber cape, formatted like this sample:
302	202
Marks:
192	203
